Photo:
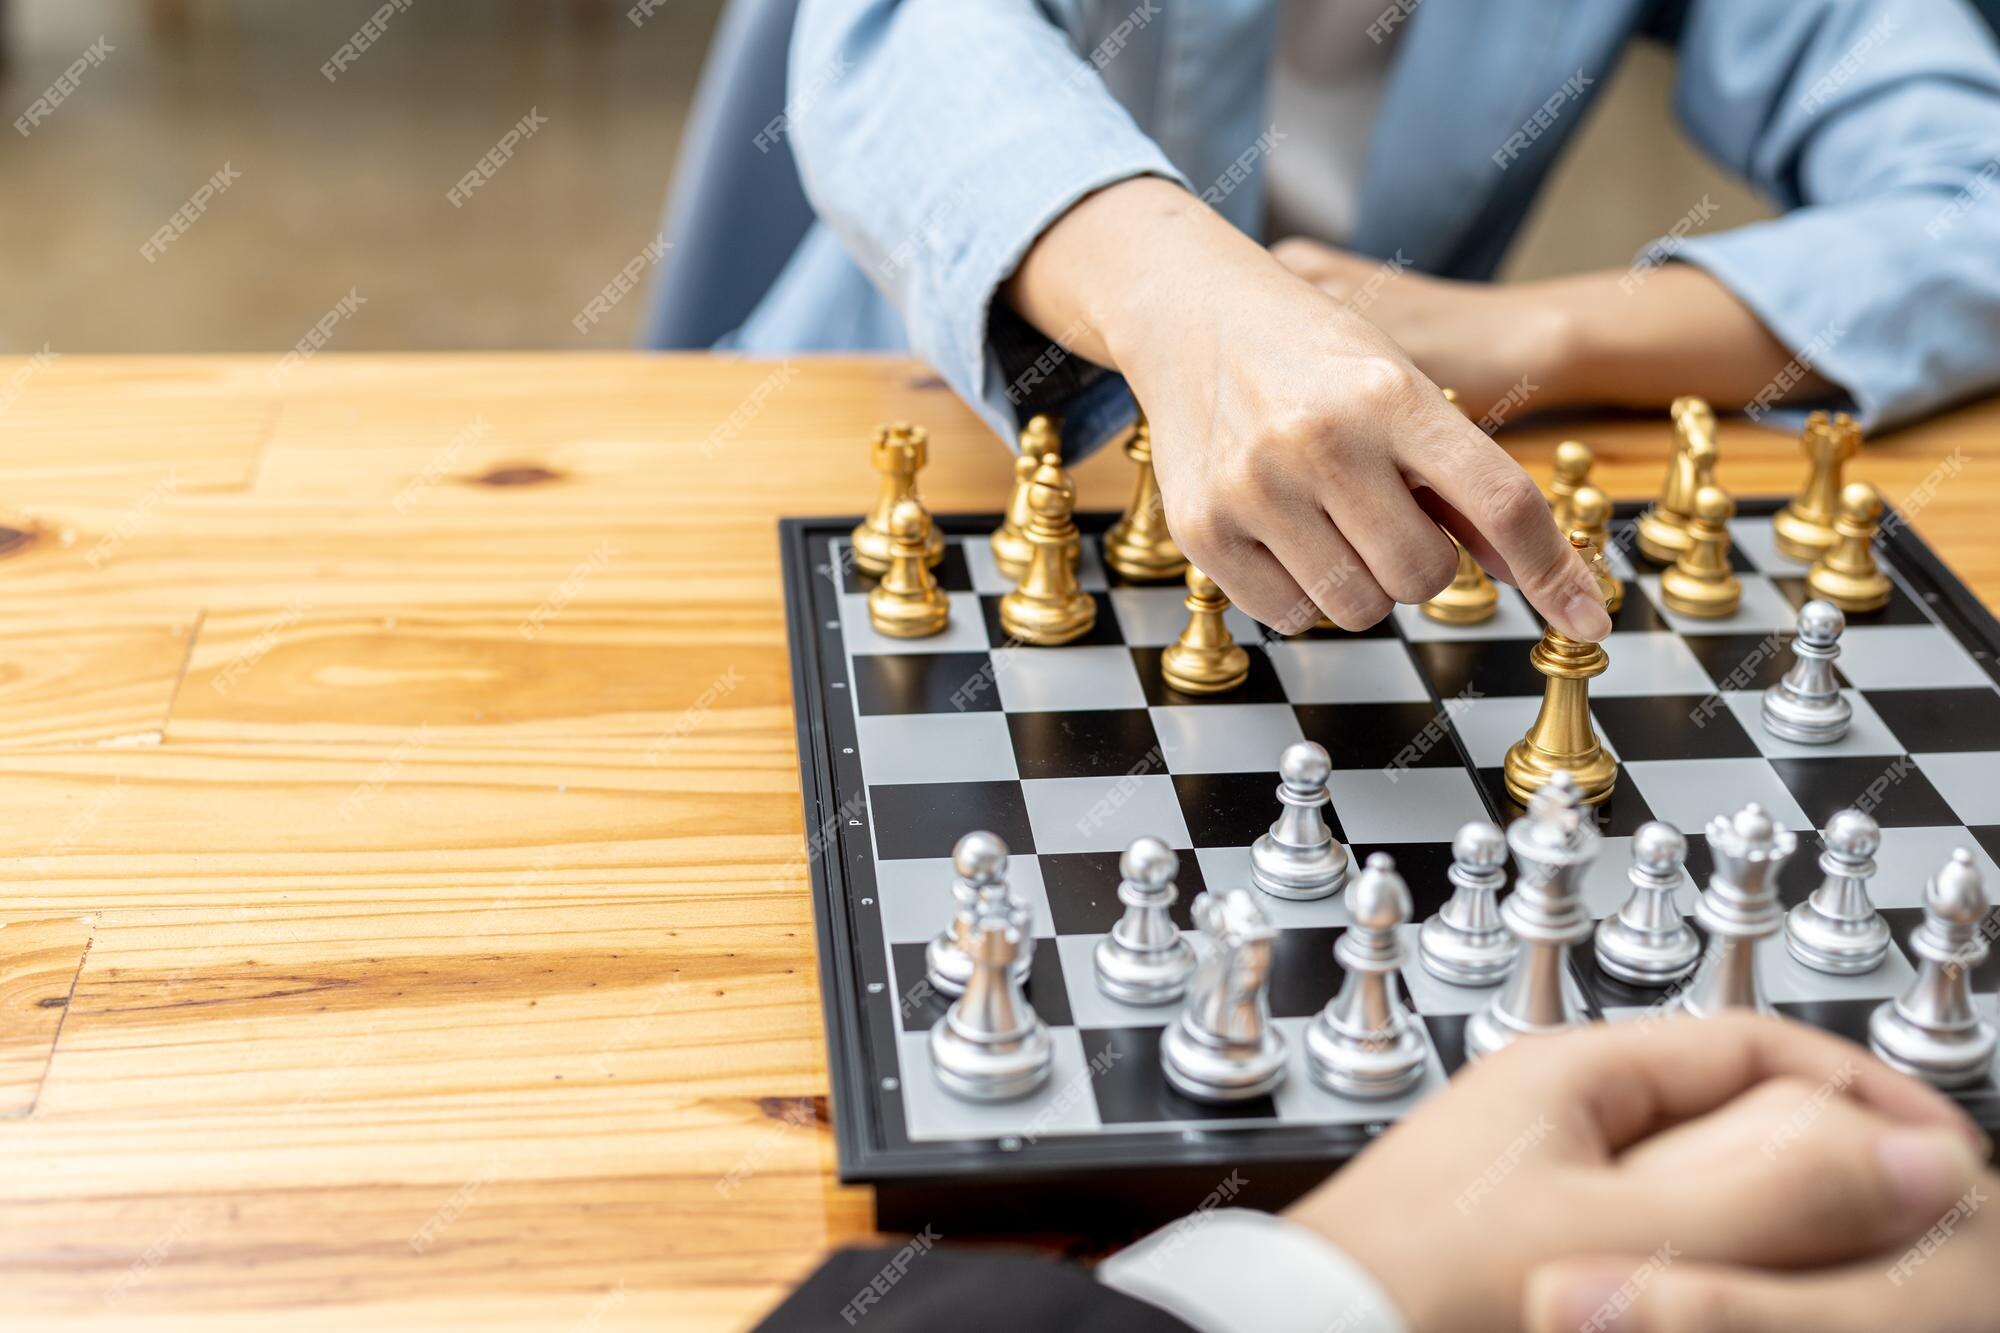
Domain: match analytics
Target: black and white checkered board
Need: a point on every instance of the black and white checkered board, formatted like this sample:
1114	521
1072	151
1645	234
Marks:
1070	753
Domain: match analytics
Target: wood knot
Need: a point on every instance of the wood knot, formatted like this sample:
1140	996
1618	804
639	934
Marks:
14	539
520	474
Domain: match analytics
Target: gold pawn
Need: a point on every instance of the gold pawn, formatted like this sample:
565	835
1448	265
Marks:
898	452
1139	545
1847	574
1040	437
1663	527
1563	737
1803	529
1701	583
1590	510
907	603
1573	460
1048	608
1206	659
1470	598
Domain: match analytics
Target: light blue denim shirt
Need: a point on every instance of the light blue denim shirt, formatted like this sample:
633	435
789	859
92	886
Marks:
938	138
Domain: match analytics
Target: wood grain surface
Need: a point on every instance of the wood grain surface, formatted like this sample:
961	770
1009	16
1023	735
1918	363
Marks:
405	922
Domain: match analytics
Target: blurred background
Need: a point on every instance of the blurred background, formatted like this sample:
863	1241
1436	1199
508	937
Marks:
342	184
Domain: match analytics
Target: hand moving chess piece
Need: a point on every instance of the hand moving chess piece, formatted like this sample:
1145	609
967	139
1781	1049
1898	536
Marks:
1738	909
1138	544
1701	583
1847	574
1563	739
1206	659
980	860
1572	470
1365	1042
1932	1029
1803	529
1467	943
1470	598
1553	843
1223	1048
1048	608
1590	510
1299	858
991	1046
1837	930
1145	960
1662	529
1648	943
898	453
1806	706
907	603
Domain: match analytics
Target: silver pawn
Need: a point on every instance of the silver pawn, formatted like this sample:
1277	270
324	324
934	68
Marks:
1223	1048
1145	960
1648	943
1300	858
980	860
1932	1030
1365	1042
991	1046
1838	930
1466	942
1807	705
1739	908
1553	843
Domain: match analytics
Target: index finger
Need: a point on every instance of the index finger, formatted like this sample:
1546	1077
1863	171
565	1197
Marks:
1502	504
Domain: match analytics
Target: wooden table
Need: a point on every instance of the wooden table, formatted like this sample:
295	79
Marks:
403	916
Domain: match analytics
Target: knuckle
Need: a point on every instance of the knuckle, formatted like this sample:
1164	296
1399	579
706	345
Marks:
1383	384
1510	505
1357	609
1425	572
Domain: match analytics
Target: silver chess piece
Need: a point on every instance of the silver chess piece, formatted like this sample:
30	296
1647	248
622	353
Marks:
1300	858
1145	960
1553	843
1932	1030
1807	705
991	1046
1223	1048
980	861
1738	909
1648	943
1838	930
1466	942
1365	1043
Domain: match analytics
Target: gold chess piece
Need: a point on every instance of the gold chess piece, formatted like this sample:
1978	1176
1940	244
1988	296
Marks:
1470	598
1701	583
1206	659
899	452
1573	460
1563	738
1049	607
1138	544
1039	438
1804	528
907	602
1663	527
1847	574
1590	510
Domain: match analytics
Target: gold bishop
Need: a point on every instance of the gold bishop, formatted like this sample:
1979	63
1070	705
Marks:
1139	545
899	452
1206	659
1563	737
1847	574
1804	528
1048	607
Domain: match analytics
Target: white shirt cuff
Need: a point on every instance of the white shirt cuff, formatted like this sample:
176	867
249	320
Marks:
1234	1270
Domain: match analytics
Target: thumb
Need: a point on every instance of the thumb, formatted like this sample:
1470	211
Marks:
1638	1296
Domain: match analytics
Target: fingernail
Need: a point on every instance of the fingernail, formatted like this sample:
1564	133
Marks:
1927	1168
1572	1296
1587	617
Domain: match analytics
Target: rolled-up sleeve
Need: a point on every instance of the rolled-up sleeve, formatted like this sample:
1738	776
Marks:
938	139
1877	124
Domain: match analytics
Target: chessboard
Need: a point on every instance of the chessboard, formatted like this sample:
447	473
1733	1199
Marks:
1069	753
